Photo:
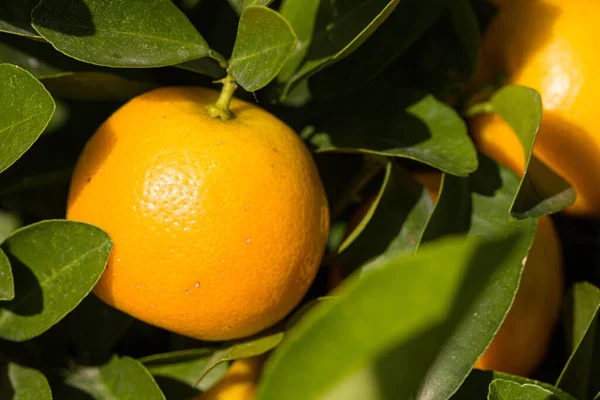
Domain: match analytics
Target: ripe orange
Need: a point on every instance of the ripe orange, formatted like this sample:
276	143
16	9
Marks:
521	343
551	46
238	383
218	226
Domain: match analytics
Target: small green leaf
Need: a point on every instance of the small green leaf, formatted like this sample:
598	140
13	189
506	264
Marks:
477	384
237	5
15	17
479	207
121	378
8	224
411	125
387	326
579	375
507	390
541	190
7	285
263	44
26	110
152	33
392	226
340	28
409	20
250	3
244	348
96	86
183	366
28	383
55	265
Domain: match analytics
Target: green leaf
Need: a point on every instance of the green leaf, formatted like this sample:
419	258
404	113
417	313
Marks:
89	332
121	378
96	86
8	224
250	3
184	366
26	110
409	20
411	125
392	226
7	285
507	390
15	17
541	190
244	348
301	14
477	384
40	59
55	265
579	375
28	383
581	306
341	27
479	207
387	326
154	33
263	44
466	25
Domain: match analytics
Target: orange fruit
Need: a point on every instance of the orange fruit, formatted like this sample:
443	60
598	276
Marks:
550	46
218	226
521	343
238	383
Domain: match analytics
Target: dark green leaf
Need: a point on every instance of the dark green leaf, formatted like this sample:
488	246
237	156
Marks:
477	384
39	58
96	86
264	42
7	285
387	326
301	14
244	348
479	207
467	29
579	376
55	265
121	378
340	28
26	110
89	332
15	17
411	125
507	390
28	383
392	226
405	25
185	366
153	33
541	191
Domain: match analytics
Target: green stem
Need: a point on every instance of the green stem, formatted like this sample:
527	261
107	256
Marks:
220	109
215	55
